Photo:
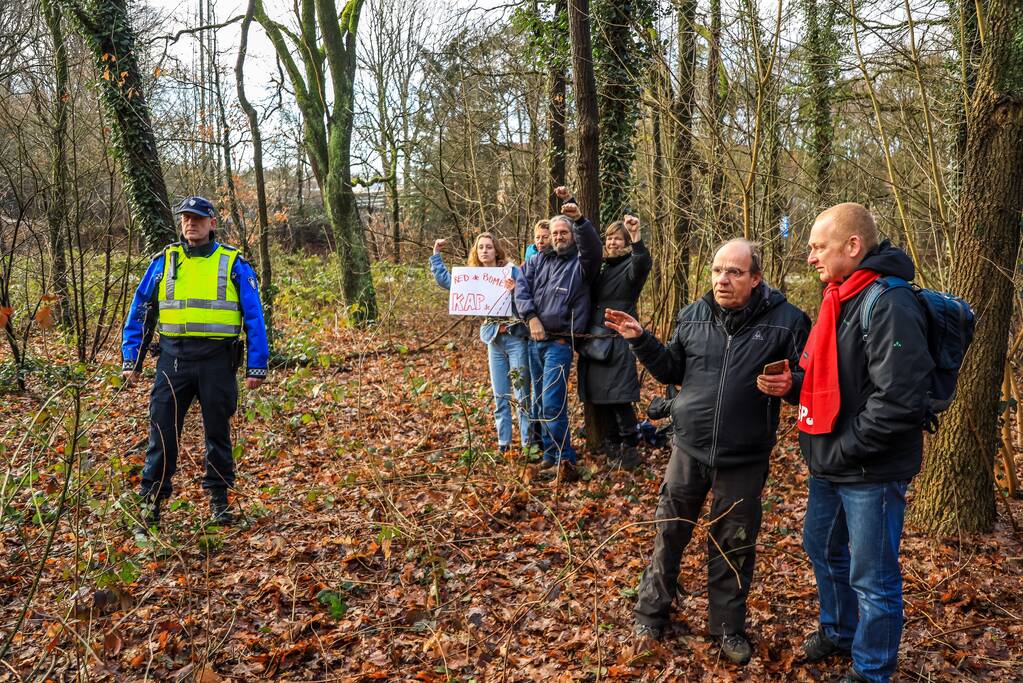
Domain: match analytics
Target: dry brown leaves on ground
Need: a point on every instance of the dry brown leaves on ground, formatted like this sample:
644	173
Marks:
383	539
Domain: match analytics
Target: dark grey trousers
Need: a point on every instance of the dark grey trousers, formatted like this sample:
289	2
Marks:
683	492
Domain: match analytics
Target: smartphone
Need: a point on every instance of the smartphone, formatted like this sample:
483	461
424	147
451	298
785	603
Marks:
775	368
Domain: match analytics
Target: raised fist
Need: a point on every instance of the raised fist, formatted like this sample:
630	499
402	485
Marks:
438	245
562	192
571	210
632	225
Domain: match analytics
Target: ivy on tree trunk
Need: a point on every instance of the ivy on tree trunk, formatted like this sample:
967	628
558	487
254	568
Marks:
107	30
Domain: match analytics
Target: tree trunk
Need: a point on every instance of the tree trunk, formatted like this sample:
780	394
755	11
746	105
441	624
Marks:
107	30
588	165
682	114
967	34
556	117
822	69
262	214
356	276
616	67
715	106
225	141
56	206
325	44
955	492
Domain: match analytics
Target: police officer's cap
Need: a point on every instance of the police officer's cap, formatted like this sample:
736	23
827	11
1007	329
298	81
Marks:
200	206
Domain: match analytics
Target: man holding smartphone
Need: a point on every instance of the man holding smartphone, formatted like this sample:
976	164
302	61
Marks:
734	352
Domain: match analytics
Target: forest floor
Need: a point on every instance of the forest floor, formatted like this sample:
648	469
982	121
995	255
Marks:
384	539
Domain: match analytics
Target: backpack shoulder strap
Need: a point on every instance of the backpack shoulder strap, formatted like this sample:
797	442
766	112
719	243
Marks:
874	292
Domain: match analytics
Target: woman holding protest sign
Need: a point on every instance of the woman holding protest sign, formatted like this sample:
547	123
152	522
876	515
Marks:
607	368
505	338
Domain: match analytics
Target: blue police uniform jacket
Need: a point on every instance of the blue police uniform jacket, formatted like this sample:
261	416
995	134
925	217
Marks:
143	314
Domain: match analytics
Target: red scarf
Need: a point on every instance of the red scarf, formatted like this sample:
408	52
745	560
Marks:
820	398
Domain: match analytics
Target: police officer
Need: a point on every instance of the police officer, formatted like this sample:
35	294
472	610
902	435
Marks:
199	294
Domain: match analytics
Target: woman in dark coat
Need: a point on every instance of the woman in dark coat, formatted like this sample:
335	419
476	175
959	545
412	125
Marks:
612	385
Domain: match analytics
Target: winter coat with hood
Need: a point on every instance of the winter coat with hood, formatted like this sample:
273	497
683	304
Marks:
719	416
618	286
878	433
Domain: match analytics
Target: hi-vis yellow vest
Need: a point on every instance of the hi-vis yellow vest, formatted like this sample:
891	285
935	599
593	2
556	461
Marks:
196	296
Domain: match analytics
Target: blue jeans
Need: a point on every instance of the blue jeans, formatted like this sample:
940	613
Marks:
550	364
852	534
509	377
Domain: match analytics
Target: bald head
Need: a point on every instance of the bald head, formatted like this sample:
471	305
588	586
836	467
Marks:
743	249
848	219
839	240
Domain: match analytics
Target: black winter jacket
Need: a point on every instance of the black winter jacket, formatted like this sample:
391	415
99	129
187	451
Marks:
878	434
618	286
719	416
556	287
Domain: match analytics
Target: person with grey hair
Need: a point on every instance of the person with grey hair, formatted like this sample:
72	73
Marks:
552	293
734	351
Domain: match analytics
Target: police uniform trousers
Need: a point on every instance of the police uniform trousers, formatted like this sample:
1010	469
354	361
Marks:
179	382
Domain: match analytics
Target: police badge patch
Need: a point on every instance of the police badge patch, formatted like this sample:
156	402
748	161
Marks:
252	281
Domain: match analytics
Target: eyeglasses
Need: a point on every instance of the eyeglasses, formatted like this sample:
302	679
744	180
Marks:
730	273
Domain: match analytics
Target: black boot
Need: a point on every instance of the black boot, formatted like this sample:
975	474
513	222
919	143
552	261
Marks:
629	459
612	450
220	509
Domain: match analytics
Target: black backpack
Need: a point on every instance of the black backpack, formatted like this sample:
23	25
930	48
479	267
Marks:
950	324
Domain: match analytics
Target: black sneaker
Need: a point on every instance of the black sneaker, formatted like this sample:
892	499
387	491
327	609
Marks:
612	450
852	676
818	646
629	459
736	648
220	509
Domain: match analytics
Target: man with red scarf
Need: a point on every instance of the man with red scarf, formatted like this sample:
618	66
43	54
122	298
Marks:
861	415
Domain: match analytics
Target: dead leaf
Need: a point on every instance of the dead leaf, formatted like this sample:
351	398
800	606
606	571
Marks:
112	644
207	675
44	317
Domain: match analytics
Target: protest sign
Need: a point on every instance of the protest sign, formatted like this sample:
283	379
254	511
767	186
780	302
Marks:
480	291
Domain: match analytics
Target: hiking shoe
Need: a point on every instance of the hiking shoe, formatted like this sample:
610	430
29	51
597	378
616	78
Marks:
551	471
852	676
818	646
641	631
569	472
220	510
629	459
736	648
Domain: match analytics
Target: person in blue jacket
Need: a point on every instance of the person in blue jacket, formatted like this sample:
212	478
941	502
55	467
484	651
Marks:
541	238
552	294
199	295
505	339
